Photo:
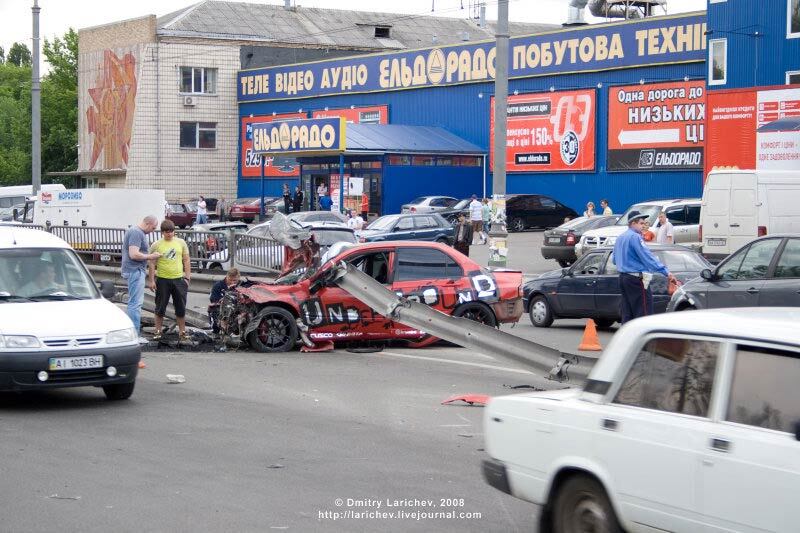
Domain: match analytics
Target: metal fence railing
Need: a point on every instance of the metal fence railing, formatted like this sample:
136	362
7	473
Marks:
257	254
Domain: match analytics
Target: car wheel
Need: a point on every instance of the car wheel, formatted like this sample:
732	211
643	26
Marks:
120	391
540	312
563	263
277	331
517	225
687	307
215	266
477	312
582	505
443	240
182	226
604	323
248	220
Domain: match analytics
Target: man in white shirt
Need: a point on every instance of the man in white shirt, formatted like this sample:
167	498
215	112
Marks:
665	233
202	212
476	218
355	221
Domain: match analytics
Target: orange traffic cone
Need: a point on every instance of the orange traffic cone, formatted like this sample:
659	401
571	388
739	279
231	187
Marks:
590	341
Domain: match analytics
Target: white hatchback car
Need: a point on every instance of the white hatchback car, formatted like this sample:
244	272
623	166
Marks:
688	422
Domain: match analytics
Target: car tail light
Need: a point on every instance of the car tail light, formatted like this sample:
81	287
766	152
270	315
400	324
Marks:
413	209
700	233
571	239
762	230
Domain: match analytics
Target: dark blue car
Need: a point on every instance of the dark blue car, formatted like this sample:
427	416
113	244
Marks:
590	287
422	227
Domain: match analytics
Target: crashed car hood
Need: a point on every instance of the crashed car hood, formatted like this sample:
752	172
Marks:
62	318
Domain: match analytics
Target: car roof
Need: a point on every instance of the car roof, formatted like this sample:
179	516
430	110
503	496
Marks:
650	244
17	236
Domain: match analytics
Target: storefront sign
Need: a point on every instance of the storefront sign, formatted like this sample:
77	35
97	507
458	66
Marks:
549	132
658	126
274	166
300	136
677	39
378	114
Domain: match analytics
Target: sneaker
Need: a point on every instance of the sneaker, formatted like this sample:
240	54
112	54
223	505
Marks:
158	335
183	338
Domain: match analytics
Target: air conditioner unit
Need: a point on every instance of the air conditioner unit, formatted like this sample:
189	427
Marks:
189	101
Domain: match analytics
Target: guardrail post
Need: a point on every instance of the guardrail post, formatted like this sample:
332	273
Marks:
232	248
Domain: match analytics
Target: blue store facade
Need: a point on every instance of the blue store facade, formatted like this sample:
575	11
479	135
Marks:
451	88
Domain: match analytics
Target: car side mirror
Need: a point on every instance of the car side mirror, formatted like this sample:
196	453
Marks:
707	274
107	289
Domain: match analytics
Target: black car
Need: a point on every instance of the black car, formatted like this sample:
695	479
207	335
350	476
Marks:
590	287
559	243
763	273
535	211
422	227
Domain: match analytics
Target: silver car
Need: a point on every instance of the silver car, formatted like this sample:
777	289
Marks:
428	204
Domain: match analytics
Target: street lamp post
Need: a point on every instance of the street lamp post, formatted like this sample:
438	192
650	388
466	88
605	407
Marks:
36	119
498	237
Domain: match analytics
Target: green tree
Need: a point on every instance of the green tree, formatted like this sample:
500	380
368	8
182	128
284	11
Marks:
2	55
15	124
60	104
19	55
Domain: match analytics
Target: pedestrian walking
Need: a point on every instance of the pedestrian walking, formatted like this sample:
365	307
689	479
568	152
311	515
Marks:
636	265
486	217
202	212
222	208
134	262
665	234
218	290
476	218
322	190
287	199
463	235
589	210
297	200
606	208
169	276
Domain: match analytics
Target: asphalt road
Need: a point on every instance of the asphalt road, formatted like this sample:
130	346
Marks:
254	443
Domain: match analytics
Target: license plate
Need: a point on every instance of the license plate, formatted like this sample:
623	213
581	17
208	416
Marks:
105	257
75	363
553	240
716	242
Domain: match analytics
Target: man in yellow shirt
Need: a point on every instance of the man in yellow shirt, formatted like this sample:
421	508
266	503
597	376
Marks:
174	273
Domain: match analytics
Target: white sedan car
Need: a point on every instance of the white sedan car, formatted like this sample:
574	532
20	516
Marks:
428	204
688	422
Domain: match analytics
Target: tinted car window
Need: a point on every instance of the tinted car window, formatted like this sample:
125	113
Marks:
547	203
730	269
692	214
676	216
674	375
764	390
757	260
789	263
425	222
589	265
425	263
404	224
682	261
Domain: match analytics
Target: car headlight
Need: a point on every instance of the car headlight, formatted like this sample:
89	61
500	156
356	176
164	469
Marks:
121	335
19	341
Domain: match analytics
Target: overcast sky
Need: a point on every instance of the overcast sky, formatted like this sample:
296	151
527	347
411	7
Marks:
59	15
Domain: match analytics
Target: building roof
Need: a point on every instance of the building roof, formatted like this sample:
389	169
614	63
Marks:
337	28
395	138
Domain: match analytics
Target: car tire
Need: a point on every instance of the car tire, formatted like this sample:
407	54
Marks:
215	267
477	312
688	307
119	391
604	323
516	225
248	220
563	263
582	504
443	240
540	312
182	226
276	332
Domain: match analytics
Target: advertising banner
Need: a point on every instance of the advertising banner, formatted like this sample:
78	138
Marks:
777	136
548	132
301	136
276	166
658	126
378	114
659	40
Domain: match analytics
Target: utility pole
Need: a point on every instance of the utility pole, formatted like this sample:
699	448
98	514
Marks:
36	119
498	236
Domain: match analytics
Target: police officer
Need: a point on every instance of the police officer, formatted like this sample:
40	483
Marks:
636	265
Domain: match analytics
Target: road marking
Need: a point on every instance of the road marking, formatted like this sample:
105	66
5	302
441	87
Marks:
450	361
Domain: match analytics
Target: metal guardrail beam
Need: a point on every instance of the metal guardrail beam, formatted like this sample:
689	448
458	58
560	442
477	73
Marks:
551	363
201	283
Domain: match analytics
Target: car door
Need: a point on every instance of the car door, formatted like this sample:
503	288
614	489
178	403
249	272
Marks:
607	294
742	276
425	228
576	290
549	215
751	458
782	287
403	230
532	211
649	434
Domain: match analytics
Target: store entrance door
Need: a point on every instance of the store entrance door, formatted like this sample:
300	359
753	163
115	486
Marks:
310	184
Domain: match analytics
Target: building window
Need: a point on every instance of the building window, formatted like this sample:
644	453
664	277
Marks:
423	160
198	80
792	19
198	135
718	63
382	32
793	77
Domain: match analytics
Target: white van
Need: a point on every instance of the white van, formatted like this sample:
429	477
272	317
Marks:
104	208
56	329
15	196
740	205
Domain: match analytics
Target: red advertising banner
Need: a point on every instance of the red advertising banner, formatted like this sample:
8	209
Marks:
731	130
549	132
275	166
378	114
659	126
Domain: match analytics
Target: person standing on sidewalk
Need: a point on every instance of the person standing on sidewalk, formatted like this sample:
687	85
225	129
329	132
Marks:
297	201
134	261
476	218
222	208
606	208
174	274
202	212
486	216
665	234
636	265
287	199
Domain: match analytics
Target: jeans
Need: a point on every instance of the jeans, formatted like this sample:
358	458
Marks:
135	296
201	219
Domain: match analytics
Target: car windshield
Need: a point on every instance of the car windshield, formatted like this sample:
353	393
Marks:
418	200
327	237
575	222
37	274
383	223
462	204
650	210
682	260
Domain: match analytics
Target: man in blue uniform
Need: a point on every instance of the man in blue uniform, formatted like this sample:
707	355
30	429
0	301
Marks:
636	265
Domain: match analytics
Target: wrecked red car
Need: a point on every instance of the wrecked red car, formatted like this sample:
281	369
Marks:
311	308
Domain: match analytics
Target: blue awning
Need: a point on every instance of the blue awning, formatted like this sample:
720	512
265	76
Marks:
394	138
